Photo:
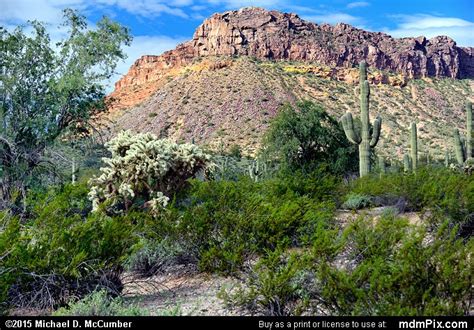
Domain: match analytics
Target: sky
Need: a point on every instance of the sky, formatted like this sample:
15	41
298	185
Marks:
159	25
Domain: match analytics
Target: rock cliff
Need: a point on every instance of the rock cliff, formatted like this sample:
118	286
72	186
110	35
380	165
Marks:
272	35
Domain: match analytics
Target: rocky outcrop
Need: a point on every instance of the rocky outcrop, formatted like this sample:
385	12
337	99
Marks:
280	36
466	58
274	35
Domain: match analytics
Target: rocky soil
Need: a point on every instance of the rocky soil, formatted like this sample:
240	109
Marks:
230	101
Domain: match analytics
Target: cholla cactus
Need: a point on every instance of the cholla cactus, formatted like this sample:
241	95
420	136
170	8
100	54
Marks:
145	168
257	170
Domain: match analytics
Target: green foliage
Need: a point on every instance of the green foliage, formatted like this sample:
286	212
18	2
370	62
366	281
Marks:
235	151
63	251
357	201
222	223
272	286
47	91
99	303
437	190
306	137
155	255
373	267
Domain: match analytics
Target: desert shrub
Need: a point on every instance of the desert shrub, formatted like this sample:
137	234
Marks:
271	287
442	192
226	222
155	256
145	170
62	251
305	137
99	303
357	201
398	269
373	267
235	151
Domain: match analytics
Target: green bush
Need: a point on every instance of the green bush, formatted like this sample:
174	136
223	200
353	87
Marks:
441	192
271	287
398	269
305	137
357	202
63	251
223	223
99	303
373	267
154	255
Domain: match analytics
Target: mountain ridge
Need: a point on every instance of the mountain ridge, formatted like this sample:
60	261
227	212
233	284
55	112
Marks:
207	91
272	35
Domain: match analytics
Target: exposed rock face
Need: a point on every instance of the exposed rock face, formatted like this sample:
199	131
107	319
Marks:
274	35
271	34
467	62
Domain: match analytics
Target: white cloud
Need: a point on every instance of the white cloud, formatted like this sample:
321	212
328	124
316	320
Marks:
234	4
357	4
149	8
333	18
460	30
48	11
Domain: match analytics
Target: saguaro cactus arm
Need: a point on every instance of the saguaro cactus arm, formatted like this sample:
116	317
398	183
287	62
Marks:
349	129
376	132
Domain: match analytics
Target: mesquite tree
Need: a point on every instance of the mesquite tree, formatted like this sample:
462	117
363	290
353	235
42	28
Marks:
365	138
48	91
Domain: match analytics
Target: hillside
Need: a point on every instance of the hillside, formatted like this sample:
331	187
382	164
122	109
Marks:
223	86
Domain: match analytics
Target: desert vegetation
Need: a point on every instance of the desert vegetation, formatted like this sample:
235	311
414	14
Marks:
308	226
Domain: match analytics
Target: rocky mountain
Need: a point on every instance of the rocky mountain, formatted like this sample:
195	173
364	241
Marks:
224	85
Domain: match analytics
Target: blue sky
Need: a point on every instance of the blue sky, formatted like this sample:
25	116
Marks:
158	25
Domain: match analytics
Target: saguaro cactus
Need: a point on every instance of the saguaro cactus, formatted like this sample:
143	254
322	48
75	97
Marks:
469	142
382	166
459	147
364	138
463	148
414	147
407	163
446	158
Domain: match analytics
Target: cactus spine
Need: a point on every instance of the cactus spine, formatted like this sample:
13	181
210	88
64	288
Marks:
414	147
364	139
462	148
